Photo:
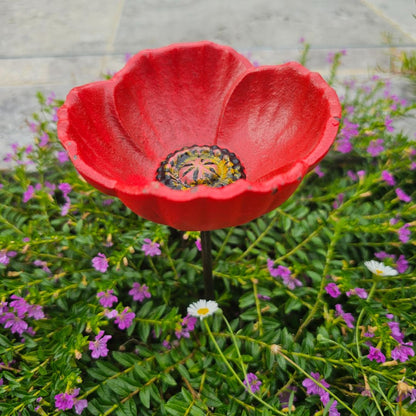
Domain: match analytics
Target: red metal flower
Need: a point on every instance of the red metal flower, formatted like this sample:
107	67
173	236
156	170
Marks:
193	136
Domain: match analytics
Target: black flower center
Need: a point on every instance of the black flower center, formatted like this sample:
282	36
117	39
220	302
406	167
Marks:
200	165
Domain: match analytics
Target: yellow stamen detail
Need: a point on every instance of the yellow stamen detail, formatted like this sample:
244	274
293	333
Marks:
202	311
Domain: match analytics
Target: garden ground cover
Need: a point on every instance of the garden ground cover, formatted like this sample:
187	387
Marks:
94	299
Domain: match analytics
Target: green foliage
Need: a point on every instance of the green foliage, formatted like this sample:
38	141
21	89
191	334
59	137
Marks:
275	329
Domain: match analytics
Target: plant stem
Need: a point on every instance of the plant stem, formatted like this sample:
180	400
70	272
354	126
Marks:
228	365
207	264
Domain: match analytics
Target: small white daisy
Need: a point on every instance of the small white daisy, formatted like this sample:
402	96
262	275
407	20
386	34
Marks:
380	269
202	308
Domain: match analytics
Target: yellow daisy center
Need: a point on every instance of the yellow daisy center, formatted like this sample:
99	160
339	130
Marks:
379	272
202	311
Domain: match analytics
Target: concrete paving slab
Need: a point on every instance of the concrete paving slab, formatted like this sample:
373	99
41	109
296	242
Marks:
50	70
57	28
401	14
253	24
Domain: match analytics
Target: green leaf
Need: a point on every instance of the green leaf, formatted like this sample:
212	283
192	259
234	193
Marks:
121	386
292	305
125	359
144	396
127	409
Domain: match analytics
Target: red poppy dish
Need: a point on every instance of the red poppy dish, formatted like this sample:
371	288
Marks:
194	136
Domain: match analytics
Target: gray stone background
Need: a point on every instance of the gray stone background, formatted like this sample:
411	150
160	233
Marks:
55	45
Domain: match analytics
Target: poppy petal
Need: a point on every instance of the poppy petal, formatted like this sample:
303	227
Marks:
277	116
96	142
179	91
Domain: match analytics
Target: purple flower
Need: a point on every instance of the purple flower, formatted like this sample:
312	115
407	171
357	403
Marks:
198	244
107	298
55	114
276	271
263	297
185	327
100	263
350	110
33	128
42	264
189	322
80	405
388	123
20	305
355	176
361	293
166	344
35	312
330	57
376	355
375	147
181	332
332	290
411	394
402	352
62	157
43	139
252	382
99	346
347	132
66	206
111	314
402	264
50	186
381	255
65	188
388	178
344	145
3	307
28	194
333	411
395	331
107	202
313	388
284	273
352	175
125	318
4	257
50	99
348	318
64	401
15	323
319	172
394	220
338	200
402	195
139	292
404	233
151	248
